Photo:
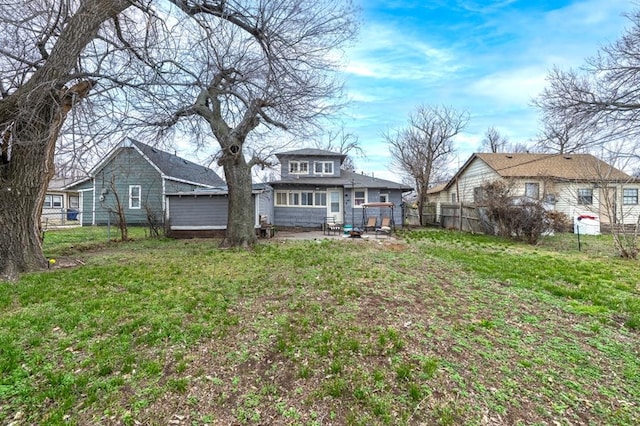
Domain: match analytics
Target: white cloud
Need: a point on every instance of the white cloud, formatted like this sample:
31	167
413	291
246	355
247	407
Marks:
384	52
512	87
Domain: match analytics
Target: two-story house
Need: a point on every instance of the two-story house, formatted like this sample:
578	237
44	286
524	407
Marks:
312	187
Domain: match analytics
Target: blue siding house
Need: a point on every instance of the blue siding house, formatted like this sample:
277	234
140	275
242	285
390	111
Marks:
313	187
137	177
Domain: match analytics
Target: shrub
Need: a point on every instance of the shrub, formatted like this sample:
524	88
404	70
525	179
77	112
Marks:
516	218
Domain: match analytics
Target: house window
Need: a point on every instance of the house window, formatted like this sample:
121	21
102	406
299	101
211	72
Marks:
384	198
306	198
53	201
532	190
74	202
135	192
281	198
359	197
585	196
454	197
299	167
301	198
323	167
629	196
478	194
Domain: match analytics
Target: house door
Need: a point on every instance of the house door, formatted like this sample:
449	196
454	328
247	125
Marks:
608	206
334	204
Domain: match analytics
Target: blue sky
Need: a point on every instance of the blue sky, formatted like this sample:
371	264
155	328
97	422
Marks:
489	58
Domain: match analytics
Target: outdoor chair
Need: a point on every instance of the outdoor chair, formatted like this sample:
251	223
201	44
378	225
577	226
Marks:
385	227
330	226
371	224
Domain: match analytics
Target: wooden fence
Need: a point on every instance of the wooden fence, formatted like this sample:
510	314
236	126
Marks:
464	217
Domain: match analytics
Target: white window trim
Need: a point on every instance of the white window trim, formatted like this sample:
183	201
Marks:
78	200
49	204
131	197
590	190
323	171
386	197
637	196
529	184
287	197
299	168
353	197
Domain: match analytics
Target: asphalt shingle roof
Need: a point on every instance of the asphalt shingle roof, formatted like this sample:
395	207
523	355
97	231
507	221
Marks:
310	152
346	179
559	166
178	168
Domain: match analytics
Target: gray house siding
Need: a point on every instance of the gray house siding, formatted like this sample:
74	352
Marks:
314	217
360	216
284	172
299	217
265	206
204	214
86	208
125	169
198	212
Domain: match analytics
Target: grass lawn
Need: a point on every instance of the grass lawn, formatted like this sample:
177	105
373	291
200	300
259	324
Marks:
436	328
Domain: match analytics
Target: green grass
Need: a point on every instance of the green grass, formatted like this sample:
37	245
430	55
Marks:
445	328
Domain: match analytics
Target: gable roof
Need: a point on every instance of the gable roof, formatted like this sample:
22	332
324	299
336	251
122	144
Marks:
565	167
561	166
177	168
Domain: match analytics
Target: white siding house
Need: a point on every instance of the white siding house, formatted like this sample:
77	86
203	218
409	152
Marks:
575	184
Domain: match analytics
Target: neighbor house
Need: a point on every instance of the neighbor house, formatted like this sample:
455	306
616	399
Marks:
313	187
60	205
136	177
574	184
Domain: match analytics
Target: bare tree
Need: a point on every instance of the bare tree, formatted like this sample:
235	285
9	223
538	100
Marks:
346	144
426	145
602	101
40	82
561	138
493	141
253	66
272	67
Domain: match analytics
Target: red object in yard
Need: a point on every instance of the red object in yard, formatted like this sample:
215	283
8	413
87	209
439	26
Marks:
586	216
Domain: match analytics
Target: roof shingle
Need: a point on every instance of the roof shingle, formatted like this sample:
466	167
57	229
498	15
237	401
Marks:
178	168
559	166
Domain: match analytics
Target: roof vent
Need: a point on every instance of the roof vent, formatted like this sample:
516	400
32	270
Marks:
154	150
509	156
567	157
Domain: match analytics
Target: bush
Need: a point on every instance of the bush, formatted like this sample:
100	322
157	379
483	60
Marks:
516	218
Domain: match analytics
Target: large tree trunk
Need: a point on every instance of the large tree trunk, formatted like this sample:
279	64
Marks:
240	222
30	119
24	184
